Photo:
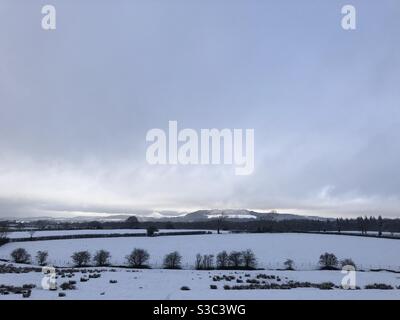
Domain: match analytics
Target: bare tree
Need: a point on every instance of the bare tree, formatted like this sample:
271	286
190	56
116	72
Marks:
137	258
222	260
235	259
20	255
380	225
172	260
81	258
328	261
249	259
289	264
220	222
41	257
199	261
208	261
101	258
205	262
32	232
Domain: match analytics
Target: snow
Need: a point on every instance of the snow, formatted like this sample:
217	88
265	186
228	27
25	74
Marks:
166	284
271	249
232	216
47	233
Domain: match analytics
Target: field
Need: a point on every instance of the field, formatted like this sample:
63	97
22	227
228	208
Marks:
52	233
271	251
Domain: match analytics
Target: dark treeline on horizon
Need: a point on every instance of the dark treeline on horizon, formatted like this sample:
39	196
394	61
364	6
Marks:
360	224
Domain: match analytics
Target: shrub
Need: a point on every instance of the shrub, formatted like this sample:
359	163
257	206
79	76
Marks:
289	263
222	260
41	257
235	259
137	258
81	258
67	286
213	287
101	258
26	294
328	261
20	255
348	262
249	259
379	286
326	286
172	260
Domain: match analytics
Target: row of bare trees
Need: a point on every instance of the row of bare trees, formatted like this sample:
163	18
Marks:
224	260
139	258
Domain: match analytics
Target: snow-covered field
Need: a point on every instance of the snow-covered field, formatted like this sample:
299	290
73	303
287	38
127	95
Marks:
167	284
48	233
271	249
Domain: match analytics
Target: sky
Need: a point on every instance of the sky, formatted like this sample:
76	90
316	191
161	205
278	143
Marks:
76	104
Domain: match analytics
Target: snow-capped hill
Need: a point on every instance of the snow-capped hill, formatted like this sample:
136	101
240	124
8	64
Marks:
242	214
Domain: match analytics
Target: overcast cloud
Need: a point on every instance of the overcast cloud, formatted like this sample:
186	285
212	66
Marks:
76	104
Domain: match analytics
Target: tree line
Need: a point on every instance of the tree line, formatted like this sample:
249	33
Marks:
362	224
139	259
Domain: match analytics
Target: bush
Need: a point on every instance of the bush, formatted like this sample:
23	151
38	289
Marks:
41	257
20	255
289	263
348	262
235	259
137	258
379	286
68	286
81	258
326	286
249	259
222	260
101	258
328	261
172	260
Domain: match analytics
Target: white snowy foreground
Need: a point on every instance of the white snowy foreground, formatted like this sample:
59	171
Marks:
167	284
271	249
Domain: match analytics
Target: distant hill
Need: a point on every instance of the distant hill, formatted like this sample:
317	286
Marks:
204	215
196	216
